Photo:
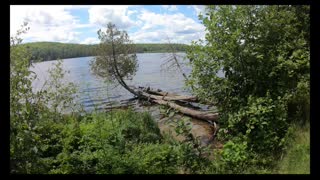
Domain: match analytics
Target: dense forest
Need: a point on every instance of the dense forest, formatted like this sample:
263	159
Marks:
46	51
263	103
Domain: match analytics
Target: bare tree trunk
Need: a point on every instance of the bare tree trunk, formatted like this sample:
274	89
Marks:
193	113
185	98
176	60
165	100
168	98
167	94
118	76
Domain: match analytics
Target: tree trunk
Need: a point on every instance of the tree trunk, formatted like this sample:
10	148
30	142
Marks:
168	98
213	117
118	75
164	100
176	96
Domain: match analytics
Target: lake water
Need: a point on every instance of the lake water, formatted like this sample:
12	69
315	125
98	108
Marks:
94	92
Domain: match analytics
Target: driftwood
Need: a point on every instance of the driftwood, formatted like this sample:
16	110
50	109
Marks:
159	94
166	100
176	96
213	117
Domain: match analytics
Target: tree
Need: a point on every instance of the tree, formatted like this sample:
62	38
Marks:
31	112
116	58
264	54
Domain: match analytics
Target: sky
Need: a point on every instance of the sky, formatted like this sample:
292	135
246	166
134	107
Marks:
80	23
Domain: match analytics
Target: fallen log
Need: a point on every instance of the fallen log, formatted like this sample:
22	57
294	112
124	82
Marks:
167	94
164	96
167	101
176	96
168	98
185	98
213	117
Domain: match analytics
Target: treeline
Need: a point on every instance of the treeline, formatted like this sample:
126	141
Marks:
46	51
148	48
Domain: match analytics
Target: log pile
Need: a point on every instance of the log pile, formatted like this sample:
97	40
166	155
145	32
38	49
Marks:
171	99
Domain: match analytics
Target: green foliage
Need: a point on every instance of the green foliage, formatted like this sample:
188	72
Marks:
235	155
116	58
264	53
159	48
46	51
150	158
114	143
296	159
118	142
29	111
255	54
262	123
194	154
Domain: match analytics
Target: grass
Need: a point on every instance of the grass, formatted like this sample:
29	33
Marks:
297	157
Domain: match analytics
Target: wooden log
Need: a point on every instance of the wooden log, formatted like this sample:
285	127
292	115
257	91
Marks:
163	95
166	100
179	97
187	111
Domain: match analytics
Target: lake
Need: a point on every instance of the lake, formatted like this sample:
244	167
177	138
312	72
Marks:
94	92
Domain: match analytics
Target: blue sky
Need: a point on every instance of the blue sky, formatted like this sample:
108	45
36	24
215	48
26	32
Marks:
80	23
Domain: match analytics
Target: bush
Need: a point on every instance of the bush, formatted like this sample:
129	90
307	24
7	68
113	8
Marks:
34	115
266	71
117	142
262	124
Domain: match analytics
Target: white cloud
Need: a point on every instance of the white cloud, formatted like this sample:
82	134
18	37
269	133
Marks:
130	12
56	34
161	36
47	23
118	14
170	7
90	40
149	37
177	27
57	23
198	9
77	7
175	22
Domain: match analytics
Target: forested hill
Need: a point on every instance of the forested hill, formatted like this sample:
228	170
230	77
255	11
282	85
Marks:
45	51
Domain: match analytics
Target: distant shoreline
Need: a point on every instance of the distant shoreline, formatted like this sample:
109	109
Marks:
47	51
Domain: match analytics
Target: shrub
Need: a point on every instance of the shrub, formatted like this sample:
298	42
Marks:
262	124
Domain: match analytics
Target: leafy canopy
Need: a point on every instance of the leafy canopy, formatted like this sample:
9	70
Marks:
116	58
264	53
259	49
